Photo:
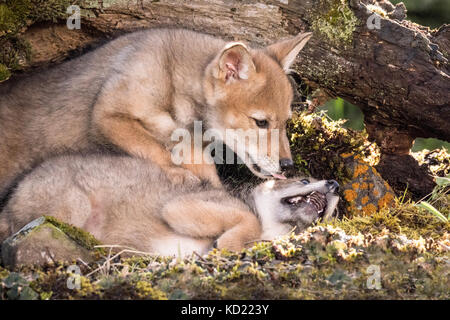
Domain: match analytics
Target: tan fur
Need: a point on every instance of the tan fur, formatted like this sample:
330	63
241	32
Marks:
130	95
132	202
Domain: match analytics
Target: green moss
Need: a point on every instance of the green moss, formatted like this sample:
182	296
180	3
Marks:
15	53
49	10
317	144
4	72
83	238
146	291
401	218
335	21
15	17
18	14
323	262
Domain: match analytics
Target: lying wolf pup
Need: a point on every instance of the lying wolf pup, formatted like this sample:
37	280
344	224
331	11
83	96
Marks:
124	201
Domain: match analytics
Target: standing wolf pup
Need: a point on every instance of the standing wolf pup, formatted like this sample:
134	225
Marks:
131	94
116	199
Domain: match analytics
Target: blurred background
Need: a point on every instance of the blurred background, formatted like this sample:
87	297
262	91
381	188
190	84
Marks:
431	13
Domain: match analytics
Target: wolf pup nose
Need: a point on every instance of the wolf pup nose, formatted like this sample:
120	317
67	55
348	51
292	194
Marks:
286	164
333	186
287	167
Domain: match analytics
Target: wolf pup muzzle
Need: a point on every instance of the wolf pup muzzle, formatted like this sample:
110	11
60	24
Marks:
314	203
296	203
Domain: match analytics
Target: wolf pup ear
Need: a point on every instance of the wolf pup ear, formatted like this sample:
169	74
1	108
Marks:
235	62
285	51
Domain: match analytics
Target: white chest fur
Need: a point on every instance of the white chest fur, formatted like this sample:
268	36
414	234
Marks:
270	225
178	245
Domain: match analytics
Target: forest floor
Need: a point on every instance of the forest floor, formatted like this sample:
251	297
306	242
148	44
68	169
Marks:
400	251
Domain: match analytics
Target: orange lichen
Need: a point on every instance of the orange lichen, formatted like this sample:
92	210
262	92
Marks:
363	186
351	207
364	200
386	200
346	155
350	195
376	193
360	169
355	186
369	209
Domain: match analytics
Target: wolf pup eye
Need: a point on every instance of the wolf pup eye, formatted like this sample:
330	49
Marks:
262	123
305	181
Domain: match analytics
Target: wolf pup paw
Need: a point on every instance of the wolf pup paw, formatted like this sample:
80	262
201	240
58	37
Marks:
179	175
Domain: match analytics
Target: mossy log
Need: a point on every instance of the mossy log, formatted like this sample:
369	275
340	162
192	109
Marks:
396	71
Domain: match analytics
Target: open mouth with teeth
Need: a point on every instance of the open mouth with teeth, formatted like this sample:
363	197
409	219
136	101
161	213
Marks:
315	200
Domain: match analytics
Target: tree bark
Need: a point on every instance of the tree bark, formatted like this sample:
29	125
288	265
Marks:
397	72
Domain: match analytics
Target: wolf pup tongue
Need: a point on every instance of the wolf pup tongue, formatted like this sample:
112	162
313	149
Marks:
278	176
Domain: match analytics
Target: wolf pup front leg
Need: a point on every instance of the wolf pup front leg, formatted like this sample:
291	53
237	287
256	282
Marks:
125	120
